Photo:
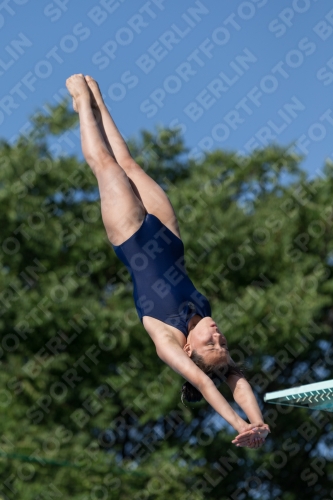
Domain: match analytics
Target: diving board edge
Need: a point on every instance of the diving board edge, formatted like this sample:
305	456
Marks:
302	389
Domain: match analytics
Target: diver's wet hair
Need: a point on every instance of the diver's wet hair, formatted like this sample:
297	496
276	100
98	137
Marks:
218	371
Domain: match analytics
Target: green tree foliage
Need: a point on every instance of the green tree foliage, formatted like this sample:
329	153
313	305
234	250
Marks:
88	409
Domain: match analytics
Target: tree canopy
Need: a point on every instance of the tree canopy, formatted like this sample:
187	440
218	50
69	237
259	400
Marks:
88	409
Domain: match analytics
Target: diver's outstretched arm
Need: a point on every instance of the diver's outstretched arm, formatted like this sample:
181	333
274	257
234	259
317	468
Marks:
251	435
244	397
173	355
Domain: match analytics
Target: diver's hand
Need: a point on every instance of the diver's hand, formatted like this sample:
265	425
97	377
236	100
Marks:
253	436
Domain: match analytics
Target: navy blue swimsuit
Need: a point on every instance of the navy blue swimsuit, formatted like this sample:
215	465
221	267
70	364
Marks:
154	257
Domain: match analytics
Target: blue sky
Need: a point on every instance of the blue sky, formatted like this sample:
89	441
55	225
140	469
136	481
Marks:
234	75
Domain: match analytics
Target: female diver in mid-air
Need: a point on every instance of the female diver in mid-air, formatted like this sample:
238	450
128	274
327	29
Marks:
142	227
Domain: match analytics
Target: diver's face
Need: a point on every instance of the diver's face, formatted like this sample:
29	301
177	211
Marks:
206	339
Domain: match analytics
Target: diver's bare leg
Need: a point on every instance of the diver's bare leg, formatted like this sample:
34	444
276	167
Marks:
122	211
152	195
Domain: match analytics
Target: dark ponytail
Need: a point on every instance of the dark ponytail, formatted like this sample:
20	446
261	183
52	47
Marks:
218	371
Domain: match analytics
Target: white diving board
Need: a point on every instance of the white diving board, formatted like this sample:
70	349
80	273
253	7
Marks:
317	396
